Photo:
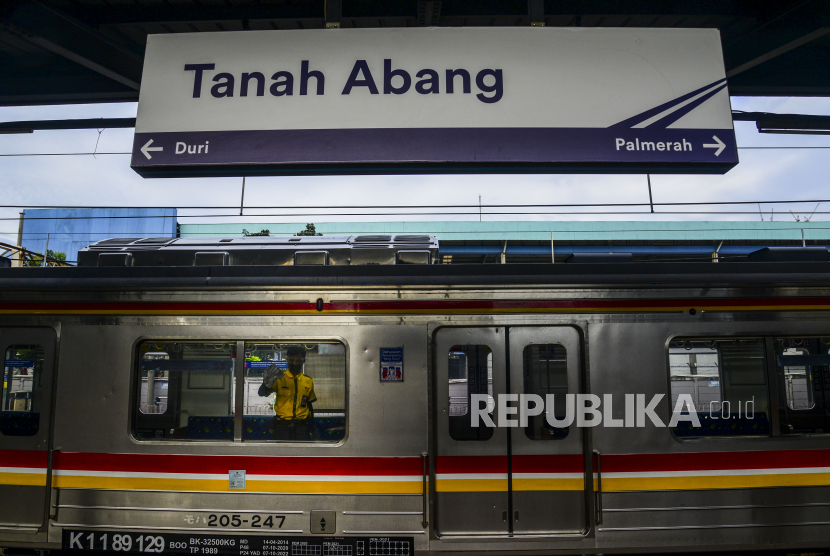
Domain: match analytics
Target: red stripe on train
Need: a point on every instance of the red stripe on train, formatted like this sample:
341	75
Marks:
471	464
24	458
549	464
710	461
253	465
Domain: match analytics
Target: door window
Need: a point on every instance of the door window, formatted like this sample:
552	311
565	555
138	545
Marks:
470	372
546	374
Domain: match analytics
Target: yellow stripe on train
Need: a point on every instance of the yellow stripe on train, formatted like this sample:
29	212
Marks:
23	479
214	485
702	482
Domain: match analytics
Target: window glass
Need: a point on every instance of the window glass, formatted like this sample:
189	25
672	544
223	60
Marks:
295	392
186	390
22	390
803	371
726	381
470	372
545	373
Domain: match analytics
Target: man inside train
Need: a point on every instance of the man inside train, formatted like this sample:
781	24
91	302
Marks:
294	419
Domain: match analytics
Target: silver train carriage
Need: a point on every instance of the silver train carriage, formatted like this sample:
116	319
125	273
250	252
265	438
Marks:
132	419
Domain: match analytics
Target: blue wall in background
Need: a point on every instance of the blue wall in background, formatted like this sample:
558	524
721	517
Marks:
70	230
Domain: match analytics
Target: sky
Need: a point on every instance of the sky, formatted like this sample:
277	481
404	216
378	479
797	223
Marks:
107	180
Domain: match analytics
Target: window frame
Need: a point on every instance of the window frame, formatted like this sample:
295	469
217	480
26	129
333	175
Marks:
38	385
238	376
771	386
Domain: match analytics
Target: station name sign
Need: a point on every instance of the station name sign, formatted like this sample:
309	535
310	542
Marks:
471	100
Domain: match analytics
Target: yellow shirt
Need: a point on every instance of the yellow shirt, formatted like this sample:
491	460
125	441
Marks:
294	393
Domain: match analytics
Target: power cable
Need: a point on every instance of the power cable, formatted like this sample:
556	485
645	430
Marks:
93	154
496	213
356	207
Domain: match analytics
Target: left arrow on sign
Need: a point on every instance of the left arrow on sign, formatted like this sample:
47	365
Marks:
147	148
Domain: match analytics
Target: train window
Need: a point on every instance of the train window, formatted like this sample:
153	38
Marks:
803	366
726	380
546	372
470	372
21	390
185	390
306	400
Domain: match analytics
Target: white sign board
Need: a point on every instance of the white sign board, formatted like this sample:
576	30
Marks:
519	99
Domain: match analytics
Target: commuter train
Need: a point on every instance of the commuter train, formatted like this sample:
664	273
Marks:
132	422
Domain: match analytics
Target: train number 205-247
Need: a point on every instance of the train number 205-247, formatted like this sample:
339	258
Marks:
236	520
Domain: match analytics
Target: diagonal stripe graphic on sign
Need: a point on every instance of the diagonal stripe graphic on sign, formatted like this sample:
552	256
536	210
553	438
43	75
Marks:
643	116
681	111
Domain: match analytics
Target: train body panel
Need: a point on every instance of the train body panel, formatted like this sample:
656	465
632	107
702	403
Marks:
123	458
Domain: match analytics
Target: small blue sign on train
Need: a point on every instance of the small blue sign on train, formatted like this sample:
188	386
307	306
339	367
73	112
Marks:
265	364
19	363
391	364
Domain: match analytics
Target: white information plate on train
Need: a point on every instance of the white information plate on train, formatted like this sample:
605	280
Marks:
407	100
234	545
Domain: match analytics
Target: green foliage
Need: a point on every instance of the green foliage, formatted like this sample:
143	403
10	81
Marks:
37	261
310	230
261	233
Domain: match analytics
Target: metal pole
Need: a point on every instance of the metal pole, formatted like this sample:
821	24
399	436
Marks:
650	201
803	241
19	260
552	253
20	230
45	252
479	208
242	201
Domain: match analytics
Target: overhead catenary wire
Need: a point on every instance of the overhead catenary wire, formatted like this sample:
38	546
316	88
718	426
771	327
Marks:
381	214
379	207
93	154
347	231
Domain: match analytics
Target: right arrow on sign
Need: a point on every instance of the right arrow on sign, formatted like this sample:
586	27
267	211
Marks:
718	144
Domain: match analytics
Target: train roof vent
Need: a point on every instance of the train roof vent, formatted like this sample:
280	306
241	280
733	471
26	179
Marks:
114	242
600	258
372	239
155	240
412	239
790	254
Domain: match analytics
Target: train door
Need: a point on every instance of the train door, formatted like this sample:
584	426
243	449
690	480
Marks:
506	480
547	462
29	355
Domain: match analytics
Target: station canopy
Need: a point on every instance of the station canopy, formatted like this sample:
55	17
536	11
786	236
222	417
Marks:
81	51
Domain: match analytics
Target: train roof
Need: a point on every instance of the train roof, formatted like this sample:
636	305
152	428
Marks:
262	251
388	261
